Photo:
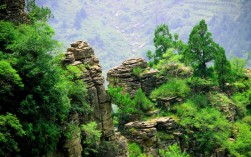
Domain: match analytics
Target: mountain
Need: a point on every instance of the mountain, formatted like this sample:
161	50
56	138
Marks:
118	30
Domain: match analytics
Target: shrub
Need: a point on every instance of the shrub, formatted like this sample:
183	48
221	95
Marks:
137	71
175	87
172	151
200	100
135	150
92	138
141	100
241	146
208	127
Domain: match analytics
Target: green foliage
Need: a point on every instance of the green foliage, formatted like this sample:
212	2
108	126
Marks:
125	103
127	107
43	137
172	151
92	138
201	49
242	100
171	64
37	13
222	68
174	87
10	131
198	84
9	79
163	40
135	150
77	89
35	87
200	100
34	41
137	71
7	34
247	120
238	65
141	100
206	126
240	147
163	136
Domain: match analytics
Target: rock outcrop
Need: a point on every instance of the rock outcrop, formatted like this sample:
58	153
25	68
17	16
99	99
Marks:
13	10
148	133
125	76
80	53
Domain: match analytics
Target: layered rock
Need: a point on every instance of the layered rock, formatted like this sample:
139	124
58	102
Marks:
125	76
146	133
13	10
80	53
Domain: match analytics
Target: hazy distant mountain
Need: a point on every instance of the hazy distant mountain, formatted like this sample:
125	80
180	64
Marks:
121	29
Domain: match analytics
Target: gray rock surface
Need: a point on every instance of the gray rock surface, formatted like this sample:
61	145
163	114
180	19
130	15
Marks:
123	76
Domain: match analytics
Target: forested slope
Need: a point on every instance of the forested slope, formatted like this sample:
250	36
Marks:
119	30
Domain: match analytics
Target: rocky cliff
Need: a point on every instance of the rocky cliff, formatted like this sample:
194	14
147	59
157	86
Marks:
13	10
81	54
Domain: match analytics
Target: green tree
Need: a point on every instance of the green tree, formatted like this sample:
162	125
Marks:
10	131
201	49
163	40
222	68
207	127
34	86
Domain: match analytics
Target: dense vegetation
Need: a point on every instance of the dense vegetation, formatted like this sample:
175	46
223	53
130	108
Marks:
206	96
37	94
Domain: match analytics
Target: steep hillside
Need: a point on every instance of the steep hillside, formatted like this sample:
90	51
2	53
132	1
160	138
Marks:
122	29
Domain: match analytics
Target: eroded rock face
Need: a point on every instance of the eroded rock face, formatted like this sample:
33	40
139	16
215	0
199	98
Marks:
123	76
80	53
146	133
13	10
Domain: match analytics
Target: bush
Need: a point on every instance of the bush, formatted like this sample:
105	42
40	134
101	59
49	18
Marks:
141	100
10	131
135	150
175	87
207	126
241	146
137	71
200	100
92	138
241	101
172	151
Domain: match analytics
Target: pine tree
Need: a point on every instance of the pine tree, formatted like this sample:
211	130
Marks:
201	49
222	68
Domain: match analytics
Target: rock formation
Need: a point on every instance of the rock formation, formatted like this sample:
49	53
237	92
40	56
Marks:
125	77
13	10
148	133
81	54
